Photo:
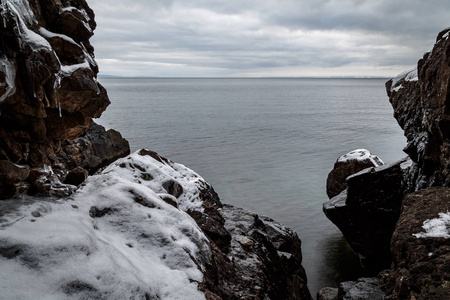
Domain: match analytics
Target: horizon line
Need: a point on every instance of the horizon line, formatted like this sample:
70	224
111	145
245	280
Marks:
244	77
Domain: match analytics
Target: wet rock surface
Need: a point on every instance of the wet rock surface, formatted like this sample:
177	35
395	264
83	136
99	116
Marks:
420	99
367	211
48	87
362	289
262	260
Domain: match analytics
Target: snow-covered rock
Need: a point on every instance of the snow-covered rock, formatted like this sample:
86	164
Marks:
145	228
349	164
115	238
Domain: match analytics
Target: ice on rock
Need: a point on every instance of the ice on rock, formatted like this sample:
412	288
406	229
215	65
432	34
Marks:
115	238
48	34
438	227
361	155
410	75
82	12
8	68
24	17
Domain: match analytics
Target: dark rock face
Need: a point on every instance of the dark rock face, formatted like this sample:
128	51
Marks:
95	149
10	175
368	210
420	261
253	257
262	261
49	91
349	164
420	99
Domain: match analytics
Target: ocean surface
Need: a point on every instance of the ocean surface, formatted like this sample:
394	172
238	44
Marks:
266	145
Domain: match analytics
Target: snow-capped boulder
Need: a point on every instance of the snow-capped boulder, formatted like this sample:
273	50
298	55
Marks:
367	211
349	164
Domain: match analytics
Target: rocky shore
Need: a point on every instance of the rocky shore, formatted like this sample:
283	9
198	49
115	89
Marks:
395	216
81	217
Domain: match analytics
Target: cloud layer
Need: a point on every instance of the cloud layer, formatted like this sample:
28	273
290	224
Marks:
265	37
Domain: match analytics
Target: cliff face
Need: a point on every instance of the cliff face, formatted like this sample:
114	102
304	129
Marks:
421	102
49	91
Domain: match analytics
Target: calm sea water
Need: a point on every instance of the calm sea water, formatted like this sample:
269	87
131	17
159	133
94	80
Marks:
264	144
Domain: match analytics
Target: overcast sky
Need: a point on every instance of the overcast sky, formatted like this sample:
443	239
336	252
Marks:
199	38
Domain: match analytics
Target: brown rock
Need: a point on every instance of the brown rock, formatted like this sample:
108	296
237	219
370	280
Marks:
421	264
93	150
420	101
76	176
349	164
11	173
48	84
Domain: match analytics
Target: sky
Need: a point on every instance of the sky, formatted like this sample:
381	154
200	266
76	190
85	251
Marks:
264	38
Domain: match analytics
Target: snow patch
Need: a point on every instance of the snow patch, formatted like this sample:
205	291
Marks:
361	155
115	238
82	12
438	227
23	15
410	75
48	34
68	70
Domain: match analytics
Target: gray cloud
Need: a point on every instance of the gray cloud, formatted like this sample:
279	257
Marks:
264	38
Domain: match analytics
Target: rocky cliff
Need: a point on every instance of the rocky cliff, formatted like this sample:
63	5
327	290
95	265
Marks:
49	92
140	226
399	212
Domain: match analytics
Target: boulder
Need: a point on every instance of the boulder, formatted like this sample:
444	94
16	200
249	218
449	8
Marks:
362	289
76	176
328	293
10	175
263	260
367	211
349	164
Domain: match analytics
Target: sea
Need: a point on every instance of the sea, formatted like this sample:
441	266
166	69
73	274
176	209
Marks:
264	144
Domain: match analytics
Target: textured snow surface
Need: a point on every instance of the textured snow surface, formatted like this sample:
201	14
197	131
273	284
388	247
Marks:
361	155
115	238
438	227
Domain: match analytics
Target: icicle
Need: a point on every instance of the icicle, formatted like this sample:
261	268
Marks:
59	108
96	84
4	11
